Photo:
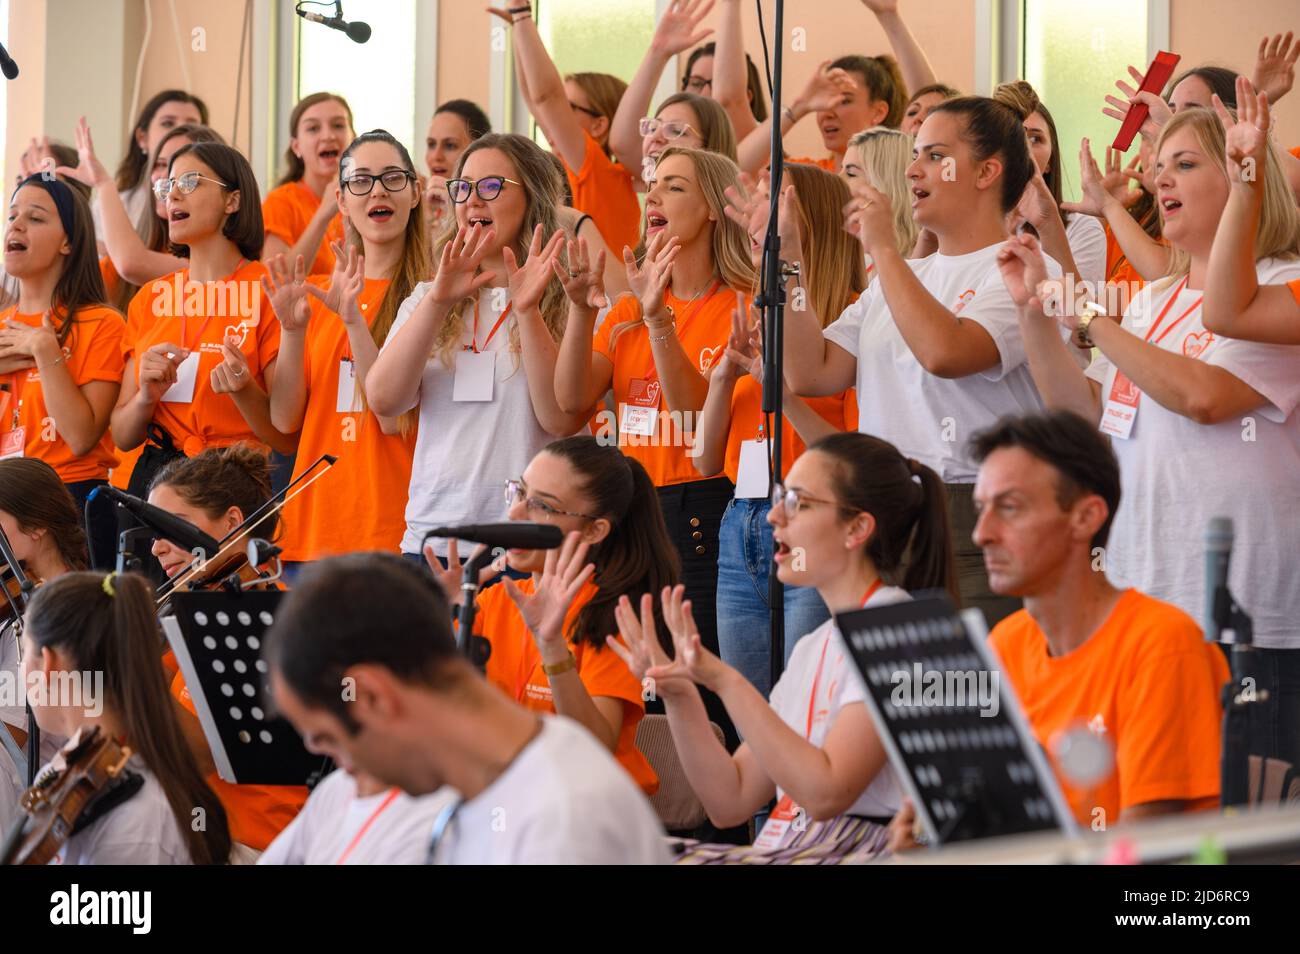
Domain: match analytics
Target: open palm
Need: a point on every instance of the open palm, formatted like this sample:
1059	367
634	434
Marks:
457	277
287	293
564	575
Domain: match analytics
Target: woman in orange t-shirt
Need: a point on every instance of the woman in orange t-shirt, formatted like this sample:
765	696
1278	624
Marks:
575	113
331	333
654	349
547	633
199	357
301	213
733	430
60	347
215	491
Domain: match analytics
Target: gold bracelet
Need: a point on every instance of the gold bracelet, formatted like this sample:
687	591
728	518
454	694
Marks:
672	329
554	669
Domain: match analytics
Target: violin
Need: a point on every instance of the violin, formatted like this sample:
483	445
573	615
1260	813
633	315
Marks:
237	563
14	597
91	782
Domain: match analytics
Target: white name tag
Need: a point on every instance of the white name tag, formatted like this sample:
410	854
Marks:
187	373
751	479
475	376
348	401
637	420
1121	408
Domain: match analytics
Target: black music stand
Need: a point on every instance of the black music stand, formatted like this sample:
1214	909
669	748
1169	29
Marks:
217	638
970	774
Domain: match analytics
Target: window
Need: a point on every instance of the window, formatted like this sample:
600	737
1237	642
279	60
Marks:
1072	54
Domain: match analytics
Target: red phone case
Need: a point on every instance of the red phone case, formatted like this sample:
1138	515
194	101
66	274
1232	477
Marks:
1162	67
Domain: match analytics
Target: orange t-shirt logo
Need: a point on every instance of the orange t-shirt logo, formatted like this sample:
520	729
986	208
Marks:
963	301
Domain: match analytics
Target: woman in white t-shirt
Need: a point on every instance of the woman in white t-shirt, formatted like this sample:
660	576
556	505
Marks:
1203	426
352	818
474	348
104	630
852	507
933	345
1077	242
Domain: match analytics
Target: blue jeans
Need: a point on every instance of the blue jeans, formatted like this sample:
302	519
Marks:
744	562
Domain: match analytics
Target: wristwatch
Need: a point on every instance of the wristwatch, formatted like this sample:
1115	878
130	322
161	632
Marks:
1081	335
554	669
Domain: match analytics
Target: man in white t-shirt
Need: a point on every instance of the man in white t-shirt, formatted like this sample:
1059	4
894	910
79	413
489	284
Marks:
363	663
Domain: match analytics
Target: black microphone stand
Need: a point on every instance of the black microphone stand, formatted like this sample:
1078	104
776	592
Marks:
475	648
19	606
771	303
1241	696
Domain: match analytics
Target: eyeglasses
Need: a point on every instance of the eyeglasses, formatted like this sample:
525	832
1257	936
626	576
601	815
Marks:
696	85
394	180
183	184
517	493
583	109
791	499
671	130
488	188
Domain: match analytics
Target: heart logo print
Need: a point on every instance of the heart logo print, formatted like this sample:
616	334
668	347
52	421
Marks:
706	357
652	393
239	331
1194	345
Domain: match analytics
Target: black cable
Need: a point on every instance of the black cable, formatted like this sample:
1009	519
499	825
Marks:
767	62
90	536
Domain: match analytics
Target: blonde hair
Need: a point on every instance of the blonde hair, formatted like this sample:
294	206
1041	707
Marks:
729	250
885	154
836	273
1278	233
604	91
543	192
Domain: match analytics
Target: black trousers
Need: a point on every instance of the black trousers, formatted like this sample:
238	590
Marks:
693	513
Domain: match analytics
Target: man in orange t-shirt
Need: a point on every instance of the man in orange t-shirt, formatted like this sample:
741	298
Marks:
1083	655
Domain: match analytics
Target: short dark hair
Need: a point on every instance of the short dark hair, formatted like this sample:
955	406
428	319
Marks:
476	121
1083	459
360	608
244	226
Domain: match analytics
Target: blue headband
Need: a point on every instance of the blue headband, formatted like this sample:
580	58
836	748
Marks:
57	190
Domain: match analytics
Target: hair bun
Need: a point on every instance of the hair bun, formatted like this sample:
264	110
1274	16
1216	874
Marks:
1019	97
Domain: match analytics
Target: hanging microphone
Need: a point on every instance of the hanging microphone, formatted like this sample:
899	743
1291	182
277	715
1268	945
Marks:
357	32
508	536
1218	550
7	65
166	525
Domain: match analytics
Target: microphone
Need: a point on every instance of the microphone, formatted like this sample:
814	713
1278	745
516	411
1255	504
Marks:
164	524
1218	550
7	65
508	536
357	32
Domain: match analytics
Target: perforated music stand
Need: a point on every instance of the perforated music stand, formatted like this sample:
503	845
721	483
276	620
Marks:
970	774
217	638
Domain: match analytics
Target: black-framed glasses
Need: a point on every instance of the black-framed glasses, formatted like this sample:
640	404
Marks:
672	129
789	500
362	183
488	188
516	492
184	184
696	85
583	109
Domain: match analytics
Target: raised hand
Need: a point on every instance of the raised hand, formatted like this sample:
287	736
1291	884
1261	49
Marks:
1158	113
1275	66
437	202
743	352
527	282
649	280
566	572
1093	197
287	293
789	224
869	218
825	90
690	659
1020	260
584	280
1038	206
347	281
642	651
89	169
456	278
748	206
1246	138
1118	177
679	28
449	577
232	375
158	369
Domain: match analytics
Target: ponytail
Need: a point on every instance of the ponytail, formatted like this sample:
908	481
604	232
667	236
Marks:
108	624
912	545
637	556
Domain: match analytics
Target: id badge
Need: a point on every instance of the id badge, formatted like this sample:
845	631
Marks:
187	374
348	401
639	413
778	824
13	443
1121	407
751	478
475	376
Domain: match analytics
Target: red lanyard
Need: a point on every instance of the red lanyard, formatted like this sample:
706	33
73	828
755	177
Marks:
817	677
474	340
392	794
203	327
1164	311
